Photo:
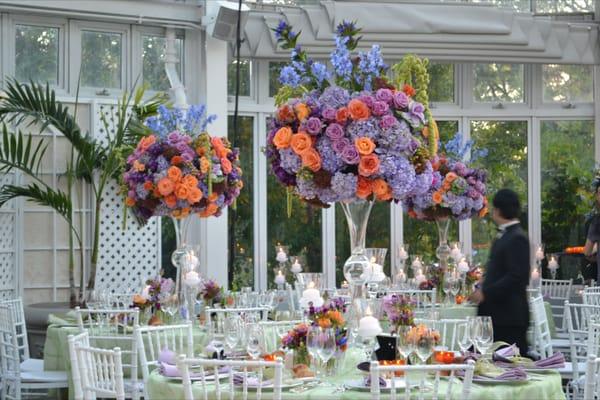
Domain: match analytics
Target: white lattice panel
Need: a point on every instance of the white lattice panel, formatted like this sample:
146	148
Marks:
125	256
8	267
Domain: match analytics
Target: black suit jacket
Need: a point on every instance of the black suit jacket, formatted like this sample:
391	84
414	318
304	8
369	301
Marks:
506	278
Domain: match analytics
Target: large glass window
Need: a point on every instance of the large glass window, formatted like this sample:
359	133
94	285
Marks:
498	83
506	164
101	59
567	162
441	83
564	6
241	218
274	70
153	60
572	83
36	53
245	77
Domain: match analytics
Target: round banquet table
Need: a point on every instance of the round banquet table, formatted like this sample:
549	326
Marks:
544	386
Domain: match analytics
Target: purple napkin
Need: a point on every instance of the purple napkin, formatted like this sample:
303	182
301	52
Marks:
382	382
167	356
507	352
556	360
512	374
168	370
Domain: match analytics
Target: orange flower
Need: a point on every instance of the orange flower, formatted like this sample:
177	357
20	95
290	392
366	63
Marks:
451	177
210	209
176	160
138	299
185	212
174	173
382	190
324	323
165	186
302	111
171	201
368	165
446	186
411	213
283	137
138	166
200	151
129	202
204	165
182	192
148	185
220	149
286	113
364	145
190	181
311	159
408	90
341	115
437	197
483	212
226	166
195	195
146	142
336	317
301	142
358	110
425	132
213	197
363	188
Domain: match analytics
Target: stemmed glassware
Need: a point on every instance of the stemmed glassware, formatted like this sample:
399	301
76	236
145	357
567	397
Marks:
485	334
424	346
464	339
231	329
403	345
327	346
171	306
313	344
254	344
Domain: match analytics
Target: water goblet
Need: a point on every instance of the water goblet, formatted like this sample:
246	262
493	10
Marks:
327	346
254	344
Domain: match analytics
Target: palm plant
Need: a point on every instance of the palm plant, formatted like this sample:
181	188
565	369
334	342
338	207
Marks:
95	162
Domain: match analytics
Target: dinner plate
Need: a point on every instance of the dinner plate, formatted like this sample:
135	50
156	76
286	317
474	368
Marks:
359	385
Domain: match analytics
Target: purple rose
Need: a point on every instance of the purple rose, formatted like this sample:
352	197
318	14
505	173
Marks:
388	121
400	100
328	113
380	108
416	112
350	155
173	137
313	125
334	131
471	180
385	95
340	145
367	99
187	157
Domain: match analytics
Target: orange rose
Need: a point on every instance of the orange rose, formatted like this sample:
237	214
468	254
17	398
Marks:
138	166
148	185
301	142
446	186
483	212
138	299
165	186
182	192
200	151
437	197
213	197
220	149
324	323
363	188
286	113
226	166
341	115
358	110
302	111
129	202
174	174
311	159
283	138
364	145
382	190
210	209
368	165
184	212
190	181
146	142
408	90
451	177
171	201
204	165
195	195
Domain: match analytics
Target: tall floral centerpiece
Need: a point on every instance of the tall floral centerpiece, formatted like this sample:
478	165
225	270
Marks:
179	170
348	135
457	192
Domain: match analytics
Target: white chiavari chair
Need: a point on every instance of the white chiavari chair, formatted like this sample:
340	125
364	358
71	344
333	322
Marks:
414	375
83	340
425	300
240	372
215	317
14	379
152	340
578	318
557	291
541	329
591	295
101	372
449	329
112	328
591	389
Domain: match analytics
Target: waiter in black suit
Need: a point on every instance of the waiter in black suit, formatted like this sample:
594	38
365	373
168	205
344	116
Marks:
503	292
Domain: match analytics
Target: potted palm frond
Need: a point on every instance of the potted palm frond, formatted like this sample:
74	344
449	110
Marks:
92	161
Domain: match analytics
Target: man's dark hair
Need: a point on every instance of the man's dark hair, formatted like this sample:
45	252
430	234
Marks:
507	203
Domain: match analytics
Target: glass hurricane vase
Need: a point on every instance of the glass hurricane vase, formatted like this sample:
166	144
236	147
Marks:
179	257
443	250
356	267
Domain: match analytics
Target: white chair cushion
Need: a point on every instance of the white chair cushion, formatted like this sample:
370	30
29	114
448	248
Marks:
44	376
32	364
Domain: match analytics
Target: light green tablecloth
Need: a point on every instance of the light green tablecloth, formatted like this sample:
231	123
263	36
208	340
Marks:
545	387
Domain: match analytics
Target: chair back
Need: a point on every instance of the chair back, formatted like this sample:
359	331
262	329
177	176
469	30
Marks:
101	372
151	340
557	291
414	380
579	319
425	300
215	317
10	358
276	330
449	329
541	329
237	381
591	389
18	317
591	295
112	328
83	340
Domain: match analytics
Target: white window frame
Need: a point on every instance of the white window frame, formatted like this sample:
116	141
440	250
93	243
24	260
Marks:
77	28
250	99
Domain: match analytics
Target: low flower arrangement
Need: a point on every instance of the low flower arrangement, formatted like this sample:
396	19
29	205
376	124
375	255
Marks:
420	332
211	292
331	315
399	310
156	291
179	169
296	340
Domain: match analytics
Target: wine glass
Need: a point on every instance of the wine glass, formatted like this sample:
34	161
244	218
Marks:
403	345
231	329
455	288
313	343
447	287
171	306
254	344
327	345
464	339
472	328
485	334
424	346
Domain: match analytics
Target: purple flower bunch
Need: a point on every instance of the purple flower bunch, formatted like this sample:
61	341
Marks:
210	291
399	310
157	290
296	338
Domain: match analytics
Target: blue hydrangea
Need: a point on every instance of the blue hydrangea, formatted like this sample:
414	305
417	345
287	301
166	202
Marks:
340	58
290	161
400	175
288	76
319	70
335	96
306	188
344	185
329	159
369	65
368	128
192	121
